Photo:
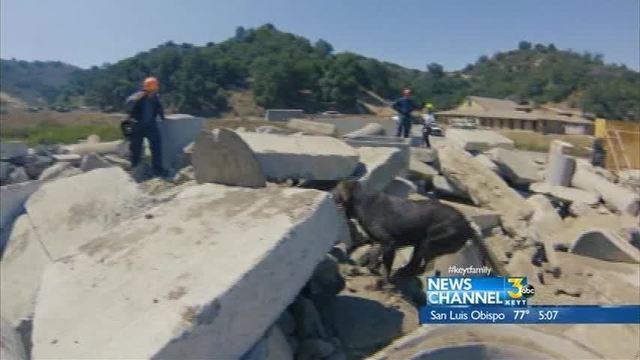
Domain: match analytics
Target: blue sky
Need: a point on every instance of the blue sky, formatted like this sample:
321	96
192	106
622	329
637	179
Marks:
408	32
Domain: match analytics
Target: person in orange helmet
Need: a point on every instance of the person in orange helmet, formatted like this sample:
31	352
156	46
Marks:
145	109
404	106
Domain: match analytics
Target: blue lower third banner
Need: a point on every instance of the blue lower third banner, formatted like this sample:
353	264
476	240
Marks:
533	314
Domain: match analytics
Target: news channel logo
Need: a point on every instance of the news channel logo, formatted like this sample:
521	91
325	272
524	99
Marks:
495	290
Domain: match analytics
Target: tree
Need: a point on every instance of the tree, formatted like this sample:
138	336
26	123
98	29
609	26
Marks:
240	33
435	69
323	47
524	45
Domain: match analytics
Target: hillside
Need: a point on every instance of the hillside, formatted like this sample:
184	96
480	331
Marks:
275	69
37	81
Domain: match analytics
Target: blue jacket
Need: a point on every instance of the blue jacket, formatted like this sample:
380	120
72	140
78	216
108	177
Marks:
404	106
145	108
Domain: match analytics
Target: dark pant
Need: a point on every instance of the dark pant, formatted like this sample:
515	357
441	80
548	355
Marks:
404	126
152	133
425	135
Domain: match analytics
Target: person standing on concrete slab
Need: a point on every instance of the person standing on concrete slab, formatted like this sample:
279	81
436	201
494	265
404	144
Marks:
404	106
145	108
429	121
599	153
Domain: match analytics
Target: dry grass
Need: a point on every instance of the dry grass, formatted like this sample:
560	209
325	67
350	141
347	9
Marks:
50	127
532	141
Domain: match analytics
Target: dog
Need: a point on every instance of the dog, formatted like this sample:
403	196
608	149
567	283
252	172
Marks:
432	228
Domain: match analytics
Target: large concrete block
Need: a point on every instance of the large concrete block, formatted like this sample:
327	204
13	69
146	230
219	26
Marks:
13	149
62	215
485	188
312	127
382	141
568	194
485	219
20	273
58	170
214	268
515	166
178	131
485	342
615	196
379	166
429	156
11	346
371	129
283	114
605	245
544	224
93	161
478	140
284	157
444	187
223	157
488	163
560	169
420	170
12	205
88	148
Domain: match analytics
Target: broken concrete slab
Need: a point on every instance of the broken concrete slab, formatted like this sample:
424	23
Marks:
267	129
401	187
284	157
568	194
209	298
615	196
88	148
273	345
478	140
118	161
485	188
421	171
312	127
487	162
178	131
517	167
499	342
11	345
17	175
605	245
62	215
429	156
13	149
543	225
382	141
222	157
379	166
59	170
371	129
444	187
12	205
485	219
93	161
74	159
20	272
560	169
5	169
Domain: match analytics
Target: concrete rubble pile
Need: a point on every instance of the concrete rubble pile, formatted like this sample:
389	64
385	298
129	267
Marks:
245	254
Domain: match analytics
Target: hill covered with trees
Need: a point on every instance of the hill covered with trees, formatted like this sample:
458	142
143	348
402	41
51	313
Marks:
285	70
37	81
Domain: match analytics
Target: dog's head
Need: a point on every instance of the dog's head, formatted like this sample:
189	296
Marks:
344	194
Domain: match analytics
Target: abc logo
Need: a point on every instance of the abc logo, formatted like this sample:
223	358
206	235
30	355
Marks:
528	291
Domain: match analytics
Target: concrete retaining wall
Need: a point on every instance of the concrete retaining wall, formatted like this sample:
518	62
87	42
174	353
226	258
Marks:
283	114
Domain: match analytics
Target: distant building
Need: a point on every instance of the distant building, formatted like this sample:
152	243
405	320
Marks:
507	114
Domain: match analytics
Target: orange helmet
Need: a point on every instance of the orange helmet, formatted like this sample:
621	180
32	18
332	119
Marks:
406	92
150	84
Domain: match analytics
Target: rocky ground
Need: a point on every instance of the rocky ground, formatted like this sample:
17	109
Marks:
576	241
